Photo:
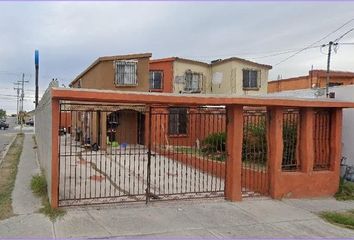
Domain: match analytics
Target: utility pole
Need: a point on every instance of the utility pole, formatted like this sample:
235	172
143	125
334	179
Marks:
328	65
22	98
17	84
330	44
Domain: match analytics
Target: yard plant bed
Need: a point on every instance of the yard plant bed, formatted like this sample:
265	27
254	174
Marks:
345	191
343	219
8	172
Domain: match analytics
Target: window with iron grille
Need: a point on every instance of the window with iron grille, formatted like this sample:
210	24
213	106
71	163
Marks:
193	81
126	73
177	121
156	79
250	79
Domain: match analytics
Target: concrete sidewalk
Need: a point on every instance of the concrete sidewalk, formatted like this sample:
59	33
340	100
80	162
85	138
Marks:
23	201
208	218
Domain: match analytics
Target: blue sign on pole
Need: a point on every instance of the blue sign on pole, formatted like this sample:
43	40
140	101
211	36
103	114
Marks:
36	57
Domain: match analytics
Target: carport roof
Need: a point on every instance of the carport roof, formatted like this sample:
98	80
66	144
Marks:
190	99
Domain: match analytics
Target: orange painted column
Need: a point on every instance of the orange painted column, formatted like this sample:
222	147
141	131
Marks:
55	154
234	137
275	149
336	139
307	154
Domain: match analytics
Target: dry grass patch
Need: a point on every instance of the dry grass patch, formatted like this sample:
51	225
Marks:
8	172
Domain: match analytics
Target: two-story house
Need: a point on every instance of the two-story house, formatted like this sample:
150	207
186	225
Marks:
228	76
136	72
234	76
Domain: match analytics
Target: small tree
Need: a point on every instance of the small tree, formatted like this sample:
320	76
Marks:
2	114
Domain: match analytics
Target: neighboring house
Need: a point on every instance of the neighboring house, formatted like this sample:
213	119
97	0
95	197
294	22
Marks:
29	116
228	76
315	79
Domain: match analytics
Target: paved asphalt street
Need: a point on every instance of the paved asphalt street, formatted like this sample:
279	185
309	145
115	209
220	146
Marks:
7	135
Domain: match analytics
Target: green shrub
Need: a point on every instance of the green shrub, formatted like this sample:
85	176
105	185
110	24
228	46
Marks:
39	185
254	147
345	190
215	142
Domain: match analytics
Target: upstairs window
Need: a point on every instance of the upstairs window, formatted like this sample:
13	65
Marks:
193	81
251	79
156	80
126	73
177	121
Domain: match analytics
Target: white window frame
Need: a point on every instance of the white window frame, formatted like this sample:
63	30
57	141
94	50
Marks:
194	84
126	73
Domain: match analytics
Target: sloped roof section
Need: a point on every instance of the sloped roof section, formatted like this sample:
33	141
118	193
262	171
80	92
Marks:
216	62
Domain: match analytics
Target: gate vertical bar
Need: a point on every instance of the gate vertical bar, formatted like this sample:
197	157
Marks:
149	160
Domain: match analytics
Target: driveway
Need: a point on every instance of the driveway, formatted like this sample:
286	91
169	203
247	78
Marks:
120	174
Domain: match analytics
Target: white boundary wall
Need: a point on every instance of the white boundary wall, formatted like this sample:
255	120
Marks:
43	133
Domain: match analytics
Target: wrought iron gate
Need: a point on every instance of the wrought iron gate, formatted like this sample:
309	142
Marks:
124	153
254	172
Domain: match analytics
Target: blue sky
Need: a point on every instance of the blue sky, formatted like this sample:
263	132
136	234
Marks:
71	35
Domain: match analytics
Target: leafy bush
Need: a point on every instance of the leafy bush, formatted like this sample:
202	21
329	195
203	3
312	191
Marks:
345	190
39	185
254	147
215	142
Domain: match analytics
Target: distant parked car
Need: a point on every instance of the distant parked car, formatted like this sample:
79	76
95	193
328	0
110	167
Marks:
4	125
30	123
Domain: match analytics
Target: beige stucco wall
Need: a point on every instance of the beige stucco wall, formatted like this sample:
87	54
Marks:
102	76
179	69
232	78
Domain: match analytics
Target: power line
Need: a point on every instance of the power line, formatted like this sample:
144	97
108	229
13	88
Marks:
347	32
346	43
316	42
282	53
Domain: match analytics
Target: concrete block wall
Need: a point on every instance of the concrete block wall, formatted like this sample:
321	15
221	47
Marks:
43	133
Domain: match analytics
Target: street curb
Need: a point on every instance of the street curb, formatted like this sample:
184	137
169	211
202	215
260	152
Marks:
7	148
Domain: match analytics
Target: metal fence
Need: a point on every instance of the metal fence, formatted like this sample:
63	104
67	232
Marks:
254	173
126	153
100	158
189	155
322	123
291	123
